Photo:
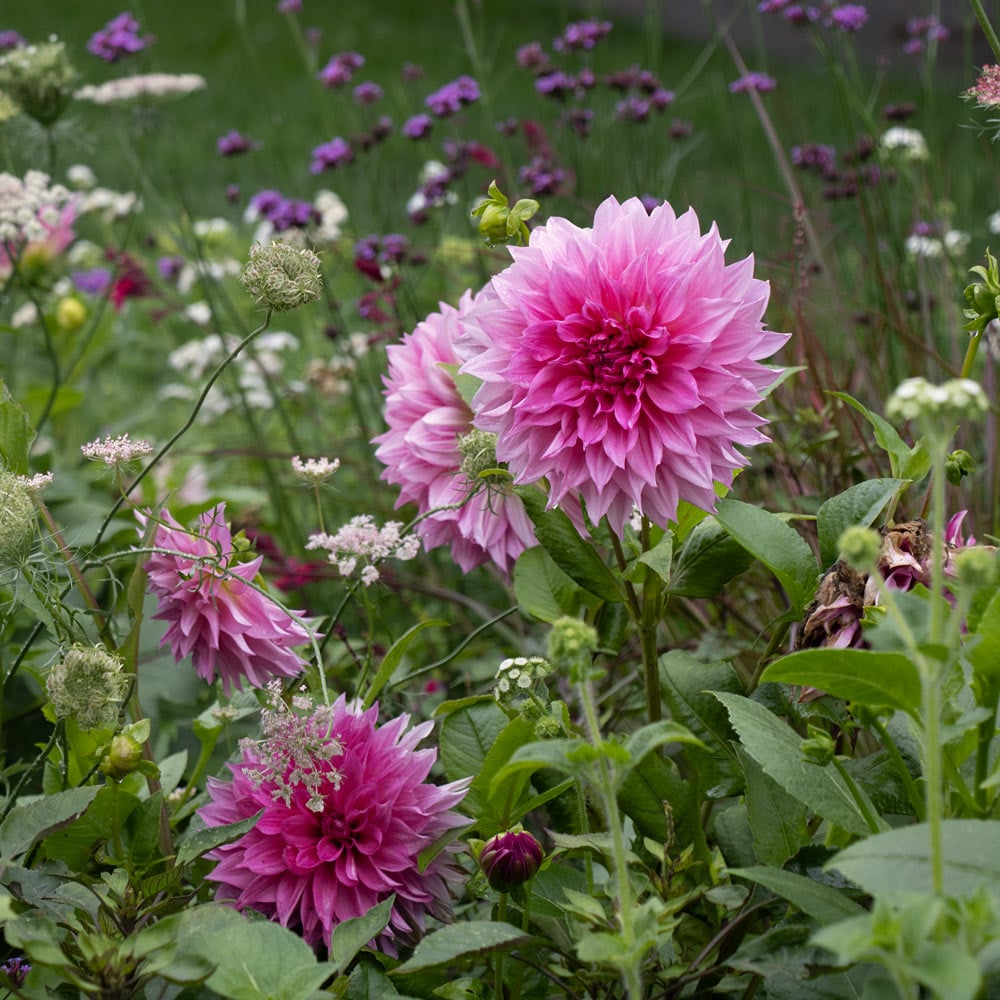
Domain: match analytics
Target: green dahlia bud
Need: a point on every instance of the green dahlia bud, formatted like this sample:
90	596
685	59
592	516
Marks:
499	223
859	547
976	567
39	78
18	515
123	758
510	859
89	685
958	465
819	748
983	296
282	277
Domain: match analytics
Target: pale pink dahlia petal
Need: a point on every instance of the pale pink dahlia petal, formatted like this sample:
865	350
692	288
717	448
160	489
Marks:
620	363
229	629
427	416
312	870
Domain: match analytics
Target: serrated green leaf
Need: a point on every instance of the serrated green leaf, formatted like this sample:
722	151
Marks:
351	935
468	731
878	680
778	750
553	754
709	558
542	589
574	555
776	544
821	902
660	557
466	939
197	844
778	820
30	823
656	734
898	861
859	505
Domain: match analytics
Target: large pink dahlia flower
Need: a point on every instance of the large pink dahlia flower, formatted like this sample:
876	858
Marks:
227	627
331	848
427	416
620	362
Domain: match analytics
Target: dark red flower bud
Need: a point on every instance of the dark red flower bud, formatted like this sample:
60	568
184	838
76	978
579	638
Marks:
510	859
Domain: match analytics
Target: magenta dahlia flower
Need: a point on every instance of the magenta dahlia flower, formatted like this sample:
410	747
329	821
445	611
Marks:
336	843
229	629
620	363
427	417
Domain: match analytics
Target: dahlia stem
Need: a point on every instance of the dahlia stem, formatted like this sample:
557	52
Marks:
498	962
984	23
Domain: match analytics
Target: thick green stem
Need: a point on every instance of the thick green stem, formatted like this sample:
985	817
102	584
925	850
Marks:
498	961
984	23
650	659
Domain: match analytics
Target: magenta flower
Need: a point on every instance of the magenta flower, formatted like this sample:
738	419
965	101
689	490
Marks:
760	82
119	37
337	841
620	362
427	416
227	627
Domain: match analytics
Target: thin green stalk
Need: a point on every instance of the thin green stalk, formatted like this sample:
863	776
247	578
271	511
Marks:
861	801
970	354
988	32
912	792
30	770
498	961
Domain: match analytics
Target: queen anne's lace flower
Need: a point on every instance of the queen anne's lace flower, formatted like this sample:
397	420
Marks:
620	363
230	629
327	850
427	417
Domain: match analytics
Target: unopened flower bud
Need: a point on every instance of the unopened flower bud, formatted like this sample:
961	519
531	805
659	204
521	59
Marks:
918	399
282	277
819	748
958	465
571	644
39	78
123	758
89	685
859	547
18	515
510	859
976	567
498	223
71	314
983	296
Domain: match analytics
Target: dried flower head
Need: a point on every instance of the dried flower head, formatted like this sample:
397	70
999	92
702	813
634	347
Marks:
282	277
18	515
89	685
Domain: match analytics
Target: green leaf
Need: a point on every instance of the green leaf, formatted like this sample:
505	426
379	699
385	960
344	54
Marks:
30	823
821	902
394	657
542	589
574	555
534	756
498	803
776	544
15	433
860	505
660	557
467	385
985	654
898	861
197	844
466	939
350	936
656	734
651	788
777	819
708	560
904	462
878	680
778	750
468	731
261	960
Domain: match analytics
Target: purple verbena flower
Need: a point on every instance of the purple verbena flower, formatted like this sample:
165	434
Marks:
16	970
760	82
119	37
290	7
234	143
531	56
581	35
330	155
453	96
849	17
368	93
94	282
169	267
11	40
340	69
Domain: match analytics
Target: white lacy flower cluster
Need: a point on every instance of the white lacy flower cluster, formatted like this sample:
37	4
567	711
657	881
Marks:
254	370
907	143
361	539
116	451
131	88
27	206
315	470
954	242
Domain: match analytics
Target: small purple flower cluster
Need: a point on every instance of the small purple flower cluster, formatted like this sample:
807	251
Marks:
16	970
581	35
235	143
760	82
11	40
418	127
290	7
921	31
96	281
340	69
371	253
119	37
452	97
542	175
368	93
330	155
170	267
841	182
283	213
847	17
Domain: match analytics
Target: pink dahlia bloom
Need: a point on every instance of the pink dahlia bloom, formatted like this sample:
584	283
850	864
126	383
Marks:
426	417
228	628
621	362
311	867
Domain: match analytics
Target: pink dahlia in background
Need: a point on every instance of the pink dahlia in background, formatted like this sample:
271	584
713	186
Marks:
621	362
229	629
332	846
427	417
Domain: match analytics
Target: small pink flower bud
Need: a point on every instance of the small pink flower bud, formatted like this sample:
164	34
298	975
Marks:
510	859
